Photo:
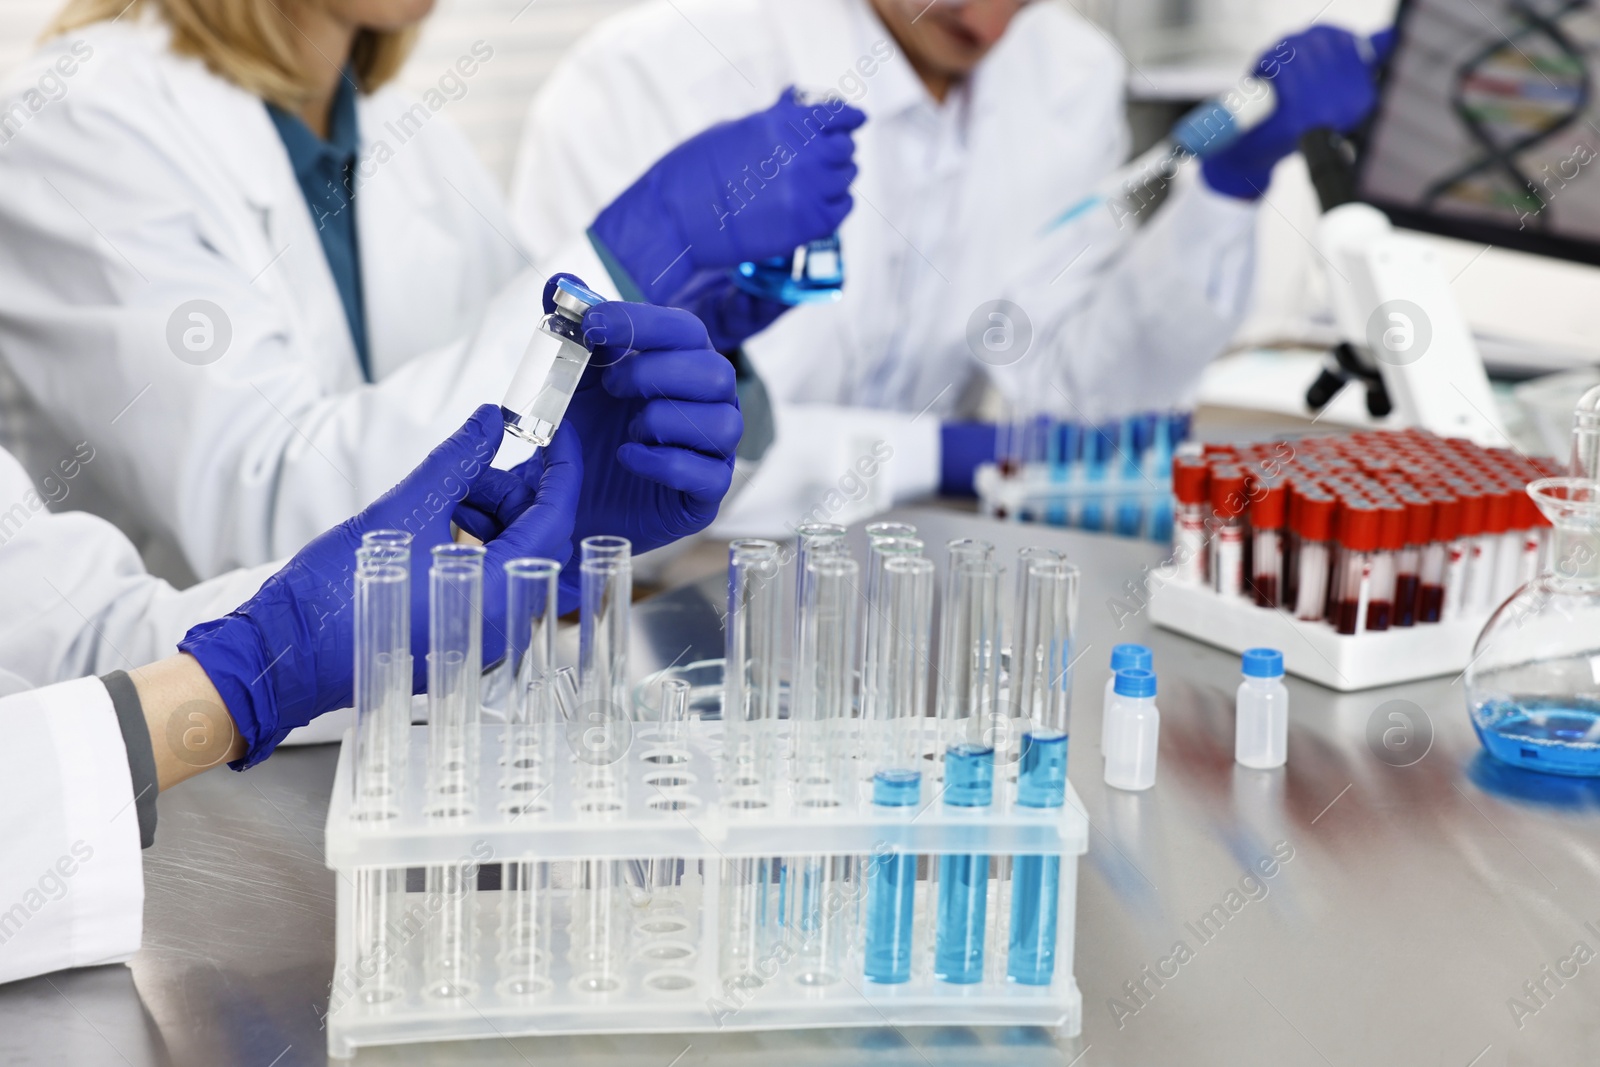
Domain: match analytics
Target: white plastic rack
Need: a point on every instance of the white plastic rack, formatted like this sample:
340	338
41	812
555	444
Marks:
660	807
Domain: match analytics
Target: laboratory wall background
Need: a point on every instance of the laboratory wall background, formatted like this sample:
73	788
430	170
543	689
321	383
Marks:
1527	311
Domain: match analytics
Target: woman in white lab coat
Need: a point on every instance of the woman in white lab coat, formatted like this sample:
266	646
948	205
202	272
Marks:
988	121
257	281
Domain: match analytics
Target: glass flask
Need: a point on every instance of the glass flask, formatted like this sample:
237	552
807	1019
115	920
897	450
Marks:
1532	686
813	273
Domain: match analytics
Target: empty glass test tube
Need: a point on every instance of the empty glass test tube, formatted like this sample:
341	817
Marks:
969	655
749	919
825	673
382	694
1041	659
400	540
598	917
877	638
751	660
816	887
532	611
455	664
525	899
907	597
961	883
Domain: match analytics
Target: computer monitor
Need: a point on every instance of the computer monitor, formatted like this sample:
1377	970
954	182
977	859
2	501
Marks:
1488	127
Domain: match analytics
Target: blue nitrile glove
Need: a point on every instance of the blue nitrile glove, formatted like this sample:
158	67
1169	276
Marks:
1324	76
658	417
731	315
285	656
743	190
963	448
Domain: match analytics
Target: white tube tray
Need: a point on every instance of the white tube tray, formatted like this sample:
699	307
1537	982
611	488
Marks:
1314	650
669	807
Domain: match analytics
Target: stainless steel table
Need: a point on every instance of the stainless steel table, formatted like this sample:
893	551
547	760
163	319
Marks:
1415	891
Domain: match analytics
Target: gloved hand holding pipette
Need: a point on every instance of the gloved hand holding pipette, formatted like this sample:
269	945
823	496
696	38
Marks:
1323	77
750	189
284	656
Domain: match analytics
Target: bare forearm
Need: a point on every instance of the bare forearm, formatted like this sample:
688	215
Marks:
190	728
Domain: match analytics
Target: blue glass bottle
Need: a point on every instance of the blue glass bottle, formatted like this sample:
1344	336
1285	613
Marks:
813	274
1036	880
963	880
891	887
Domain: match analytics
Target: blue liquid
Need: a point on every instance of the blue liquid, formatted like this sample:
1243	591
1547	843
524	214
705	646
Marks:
1035	901
1036	880
1553	736
891	887
963	907
813	274
963	880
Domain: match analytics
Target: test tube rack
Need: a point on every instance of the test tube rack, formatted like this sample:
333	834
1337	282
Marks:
1137	507
665	800
1314	650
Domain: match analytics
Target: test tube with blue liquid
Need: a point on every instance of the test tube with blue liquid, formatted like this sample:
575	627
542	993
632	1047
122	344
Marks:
1036	880
962	882
1098	450
907	595
1043	678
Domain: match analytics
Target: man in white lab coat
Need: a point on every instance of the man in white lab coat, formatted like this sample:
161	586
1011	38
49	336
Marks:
988	122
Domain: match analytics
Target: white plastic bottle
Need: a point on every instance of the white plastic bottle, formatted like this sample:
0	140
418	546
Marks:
1135	731
1261	727
1123	657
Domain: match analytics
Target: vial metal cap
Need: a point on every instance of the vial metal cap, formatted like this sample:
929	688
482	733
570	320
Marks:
573	299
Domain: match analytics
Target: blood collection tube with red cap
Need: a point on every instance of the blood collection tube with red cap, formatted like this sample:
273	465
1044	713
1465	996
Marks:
1313	535
1468	593
1442	558
1381	585
1496	525
1191	485
1268	497
1508	541
1352	584
1532	524
1408	562
1227	541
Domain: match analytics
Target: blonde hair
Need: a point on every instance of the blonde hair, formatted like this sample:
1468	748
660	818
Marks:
251	43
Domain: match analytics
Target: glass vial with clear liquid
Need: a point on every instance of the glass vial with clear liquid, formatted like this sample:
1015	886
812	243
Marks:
1261	722
548	374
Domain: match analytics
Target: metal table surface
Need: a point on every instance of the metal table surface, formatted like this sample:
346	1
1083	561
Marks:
1415	890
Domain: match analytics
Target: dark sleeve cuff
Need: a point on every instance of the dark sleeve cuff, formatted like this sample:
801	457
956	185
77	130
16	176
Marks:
141	757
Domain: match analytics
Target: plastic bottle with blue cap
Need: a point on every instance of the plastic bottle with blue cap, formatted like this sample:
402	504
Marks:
1261	728
1122	658
1135	731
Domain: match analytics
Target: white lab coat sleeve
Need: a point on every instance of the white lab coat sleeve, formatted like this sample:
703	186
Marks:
71	881
1125	319
77	599
831	463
